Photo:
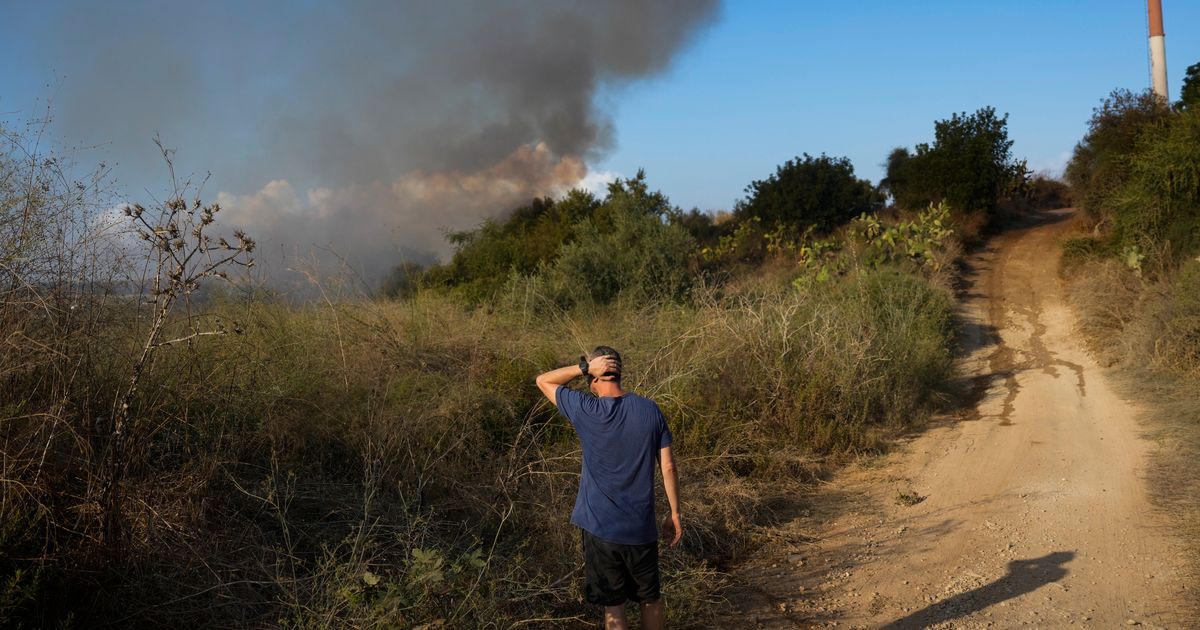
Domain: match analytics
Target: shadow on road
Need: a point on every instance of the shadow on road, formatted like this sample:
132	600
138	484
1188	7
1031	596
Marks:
1024	576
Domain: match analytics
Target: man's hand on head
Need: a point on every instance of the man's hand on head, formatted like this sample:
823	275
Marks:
549	382
602	365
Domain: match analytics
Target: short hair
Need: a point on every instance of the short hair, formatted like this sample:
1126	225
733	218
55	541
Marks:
605	351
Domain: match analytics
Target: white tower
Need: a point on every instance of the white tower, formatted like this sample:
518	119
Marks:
1158	51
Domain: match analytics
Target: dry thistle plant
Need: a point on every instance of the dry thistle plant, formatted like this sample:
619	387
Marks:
181	254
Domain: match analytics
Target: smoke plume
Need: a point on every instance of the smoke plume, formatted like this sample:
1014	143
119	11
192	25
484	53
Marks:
368	127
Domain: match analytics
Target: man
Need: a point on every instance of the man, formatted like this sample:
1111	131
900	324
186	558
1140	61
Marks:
623	435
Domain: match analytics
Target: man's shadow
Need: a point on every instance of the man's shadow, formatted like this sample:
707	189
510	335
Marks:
1024	576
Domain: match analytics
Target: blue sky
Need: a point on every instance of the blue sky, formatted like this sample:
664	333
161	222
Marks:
770	80
763	82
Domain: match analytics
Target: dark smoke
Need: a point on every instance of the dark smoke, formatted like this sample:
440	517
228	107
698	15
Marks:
367	126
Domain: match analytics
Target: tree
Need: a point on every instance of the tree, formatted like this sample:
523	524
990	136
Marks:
895	180
1099	164
633	243
629	248
486	256
1158	203
1189	94
820	192
969	165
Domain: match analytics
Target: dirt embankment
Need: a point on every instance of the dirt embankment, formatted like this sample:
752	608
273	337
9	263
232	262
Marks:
1029	510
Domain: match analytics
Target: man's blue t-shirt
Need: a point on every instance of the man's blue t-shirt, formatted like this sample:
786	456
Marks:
621	437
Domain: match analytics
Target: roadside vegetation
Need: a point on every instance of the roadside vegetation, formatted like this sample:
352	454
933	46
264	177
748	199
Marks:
181	446
1134	271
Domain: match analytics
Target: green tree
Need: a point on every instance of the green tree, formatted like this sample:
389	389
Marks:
633	244
969	165
820	192
486	256
1189	94
1159	201
895	179
1100	163
629	248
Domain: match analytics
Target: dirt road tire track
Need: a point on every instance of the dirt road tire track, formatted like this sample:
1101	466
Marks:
1032	508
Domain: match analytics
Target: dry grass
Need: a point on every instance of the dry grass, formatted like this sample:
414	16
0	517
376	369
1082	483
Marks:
1107	298
1149	332
367	463
275	469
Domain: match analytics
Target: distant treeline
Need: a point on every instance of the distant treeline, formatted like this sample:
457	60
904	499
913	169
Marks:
633	242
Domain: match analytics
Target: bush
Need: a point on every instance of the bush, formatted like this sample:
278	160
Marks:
626	249
924	245
1159	203
820	193
403	281
580	249
531	236
57	268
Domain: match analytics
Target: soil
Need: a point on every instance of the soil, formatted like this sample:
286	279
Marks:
1030	508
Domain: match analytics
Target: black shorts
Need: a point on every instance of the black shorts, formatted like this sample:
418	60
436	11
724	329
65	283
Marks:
614	573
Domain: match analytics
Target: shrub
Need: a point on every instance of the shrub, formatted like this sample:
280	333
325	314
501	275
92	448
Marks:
57	266
750	243
1159	203
703	226
920	241
817	192
632	243
924	245
1135	282
529	237
626	249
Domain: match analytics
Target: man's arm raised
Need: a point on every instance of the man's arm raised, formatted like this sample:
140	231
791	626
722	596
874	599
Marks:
548	382
672	527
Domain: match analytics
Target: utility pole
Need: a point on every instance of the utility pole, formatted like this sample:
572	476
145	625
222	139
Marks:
1158	51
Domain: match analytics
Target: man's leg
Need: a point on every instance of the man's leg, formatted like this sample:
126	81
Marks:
654	615
614	618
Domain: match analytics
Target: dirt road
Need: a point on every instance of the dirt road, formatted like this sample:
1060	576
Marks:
1030	510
